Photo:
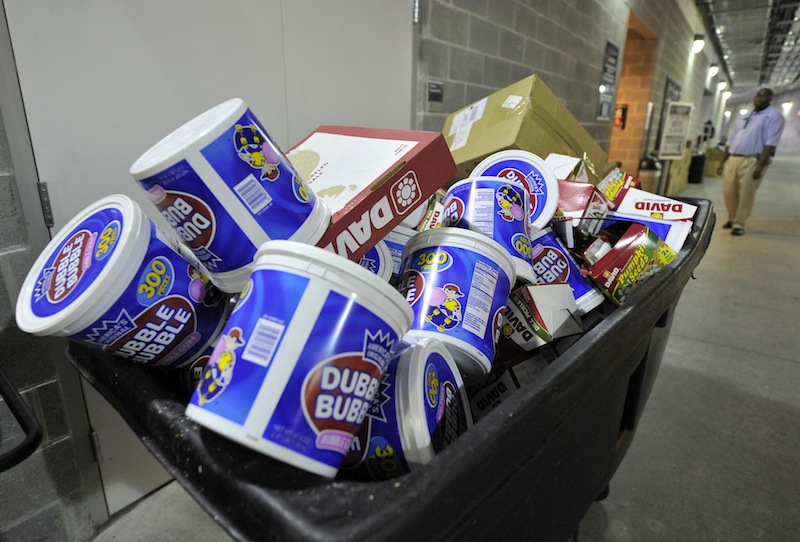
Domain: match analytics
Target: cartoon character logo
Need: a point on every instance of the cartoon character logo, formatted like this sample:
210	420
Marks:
257	151
444	307
218	374
202	290
511	203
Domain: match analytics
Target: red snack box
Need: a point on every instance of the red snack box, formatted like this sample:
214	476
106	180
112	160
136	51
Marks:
584	204
616	184
634	258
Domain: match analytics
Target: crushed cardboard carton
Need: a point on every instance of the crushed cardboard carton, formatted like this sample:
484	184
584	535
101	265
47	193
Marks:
567	168
635	257
584	204
537	314
616	184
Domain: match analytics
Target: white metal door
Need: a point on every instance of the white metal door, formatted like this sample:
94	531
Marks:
103	80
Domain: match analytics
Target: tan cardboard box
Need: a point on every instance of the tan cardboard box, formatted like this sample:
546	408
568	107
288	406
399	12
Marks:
526	115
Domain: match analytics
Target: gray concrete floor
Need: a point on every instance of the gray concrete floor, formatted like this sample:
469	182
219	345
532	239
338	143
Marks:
716	455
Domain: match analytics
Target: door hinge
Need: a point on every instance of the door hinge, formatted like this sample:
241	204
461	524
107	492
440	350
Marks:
94	438
47	208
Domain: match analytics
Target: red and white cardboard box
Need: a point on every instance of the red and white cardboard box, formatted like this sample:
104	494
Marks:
616	184
640	203
537	314
371	179
584	204
567	168
634	258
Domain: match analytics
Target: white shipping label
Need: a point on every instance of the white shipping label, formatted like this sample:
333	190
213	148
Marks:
463	121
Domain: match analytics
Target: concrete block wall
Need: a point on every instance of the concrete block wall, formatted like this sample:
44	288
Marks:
475	47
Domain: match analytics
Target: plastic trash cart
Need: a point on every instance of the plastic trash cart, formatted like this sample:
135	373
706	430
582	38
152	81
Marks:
528	470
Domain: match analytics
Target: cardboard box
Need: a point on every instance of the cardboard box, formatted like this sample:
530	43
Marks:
487	393
526	115
567	168
646	204
371	179
634	258
584	204
616	184
535	315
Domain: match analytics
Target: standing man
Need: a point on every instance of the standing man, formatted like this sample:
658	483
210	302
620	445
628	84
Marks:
751	146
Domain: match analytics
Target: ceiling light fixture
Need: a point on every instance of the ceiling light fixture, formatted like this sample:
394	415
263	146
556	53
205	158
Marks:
786	107
727	95
721	85
698	43
713	70
743	111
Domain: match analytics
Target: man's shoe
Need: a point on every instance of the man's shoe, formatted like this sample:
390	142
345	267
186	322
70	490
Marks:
737	230
728	225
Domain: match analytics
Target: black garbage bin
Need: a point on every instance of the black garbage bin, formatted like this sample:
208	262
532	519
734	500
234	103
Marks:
530	469
649	173
697	168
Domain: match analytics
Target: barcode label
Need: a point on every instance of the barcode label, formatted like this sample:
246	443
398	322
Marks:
263	341
253	194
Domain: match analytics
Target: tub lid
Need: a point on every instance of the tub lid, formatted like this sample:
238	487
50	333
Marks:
83	268
533	172
434	406
378	260
198	132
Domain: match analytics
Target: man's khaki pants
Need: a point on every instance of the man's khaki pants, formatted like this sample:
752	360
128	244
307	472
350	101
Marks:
739	187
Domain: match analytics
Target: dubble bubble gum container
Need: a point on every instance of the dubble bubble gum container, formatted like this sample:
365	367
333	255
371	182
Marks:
552	262
497	208
301	356
534	173
378	260
458	281
226	188
420	408
112	279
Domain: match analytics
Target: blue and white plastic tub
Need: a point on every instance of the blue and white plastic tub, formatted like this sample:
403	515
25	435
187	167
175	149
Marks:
457	282
301	356
497	208
419	410
552	262
534	173
396	241
378	260
226	188
112	279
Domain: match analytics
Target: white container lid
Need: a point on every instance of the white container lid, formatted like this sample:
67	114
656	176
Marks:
410	398
546	200
197	133
92	301
341	272
383	263
589	301
468	239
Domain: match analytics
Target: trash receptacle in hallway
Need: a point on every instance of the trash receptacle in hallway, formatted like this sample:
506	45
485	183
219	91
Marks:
529	470
649	173
697	168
